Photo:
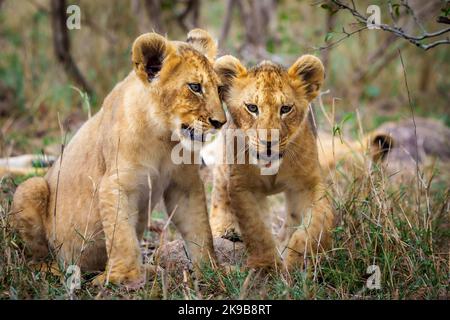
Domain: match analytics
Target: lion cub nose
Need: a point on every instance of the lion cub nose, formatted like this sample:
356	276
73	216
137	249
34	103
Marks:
216	123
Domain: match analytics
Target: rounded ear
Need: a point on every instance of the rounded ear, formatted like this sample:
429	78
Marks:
308	73
228	68
148	53
202	41
380	145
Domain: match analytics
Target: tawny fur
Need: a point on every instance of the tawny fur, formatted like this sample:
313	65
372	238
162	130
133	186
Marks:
92	206
239	200
352	154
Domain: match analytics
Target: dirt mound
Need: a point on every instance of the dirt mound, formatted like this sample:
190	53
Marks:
427	140
173	255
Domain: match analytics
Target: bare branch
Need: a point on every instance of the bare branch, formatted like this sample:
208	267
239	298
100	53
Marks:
416	40
413	14
347	35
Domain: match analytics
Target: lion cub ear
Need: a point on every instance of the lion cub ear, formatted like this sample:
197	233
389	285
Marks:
229	68
202	41
148	54
380	144
308	73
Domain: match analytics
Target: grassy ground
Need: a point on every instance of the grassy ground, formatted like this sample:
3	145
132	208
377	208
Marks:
382	222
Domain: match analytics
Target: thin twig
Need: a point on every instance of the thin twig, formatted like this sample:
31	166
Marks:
415	129
416	40
347	35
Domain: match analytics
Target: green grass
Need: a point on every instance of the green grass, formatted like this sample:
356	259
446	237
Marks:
380	223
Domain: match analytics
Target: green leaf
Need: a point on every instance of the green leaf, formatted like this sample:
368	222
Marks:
347	117
396	8
372	91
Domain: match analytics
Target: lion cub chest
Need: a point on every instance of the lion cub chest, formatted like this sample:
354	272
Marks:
271	184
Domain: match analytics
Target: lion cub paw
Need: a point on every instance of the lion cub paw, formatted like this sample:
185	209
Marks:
132	280
233	235
298	251
229	233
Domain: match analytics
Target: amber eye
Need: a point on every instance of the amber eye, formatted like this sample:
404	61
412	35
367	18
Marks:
196	87
252	108
285	109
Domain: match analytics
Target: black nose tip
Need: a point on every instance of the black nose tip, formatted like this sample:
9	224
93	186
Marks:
269	148
269	145
216	123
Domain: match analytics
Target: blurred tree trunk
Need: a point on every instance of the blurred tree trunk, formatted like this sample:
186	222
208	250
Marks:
154	12
425	74
192	10
258	18
186	20
61	44
329	27
227	22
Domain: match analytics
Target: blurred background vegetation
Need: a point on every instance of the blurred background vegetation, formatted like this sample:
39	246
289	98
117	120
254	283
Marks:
38	87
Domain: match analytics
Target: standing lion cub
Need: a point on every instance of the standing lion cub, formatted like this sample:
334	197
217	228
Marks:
91	207
274	99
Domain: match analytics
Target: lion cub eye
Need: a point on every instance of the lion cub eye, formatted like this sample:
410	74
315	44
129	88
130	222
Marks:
195	87
252	108
285	109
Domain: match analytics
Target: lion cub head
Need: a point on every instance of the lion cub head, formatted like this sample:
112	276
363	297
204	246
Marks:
271	97
181	82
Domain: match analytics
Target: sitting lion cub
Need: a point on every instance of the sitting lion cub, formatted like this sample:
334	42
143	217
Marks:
275	99
91	207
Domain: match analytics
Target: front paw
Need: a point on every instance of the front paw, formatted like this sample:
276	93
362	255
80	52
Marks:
266	261
232	234
131	280
297	251
227	230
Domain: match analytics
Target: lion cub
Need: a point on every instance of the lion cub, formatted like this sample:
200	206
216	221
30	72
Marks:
91	208
276	99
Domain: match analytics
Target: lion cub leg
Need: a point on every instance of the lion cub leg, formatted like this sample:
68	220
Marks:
186	203
28	212
256	232
223	222
119	213
308	225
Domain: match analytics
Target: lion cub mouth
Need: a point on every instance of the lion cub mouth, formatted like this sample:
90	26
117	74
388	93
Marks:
268	163
193	134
